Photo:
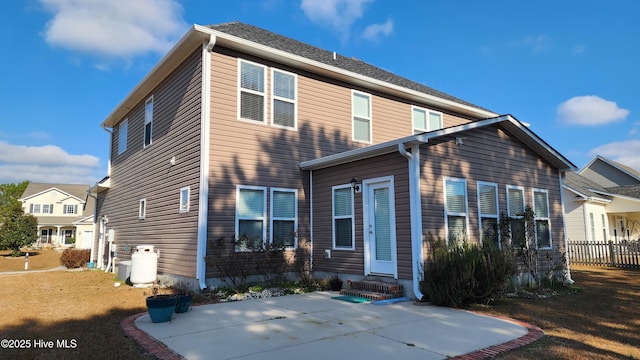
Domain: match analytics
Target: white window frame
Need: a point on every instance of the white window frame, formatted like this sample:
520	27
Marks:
275	98
47	208
69	209
605	233
464	214
148	121
547	218
262	218
482	215
427	112
353	117
36	209
123	129
142	209
334	217
276	218
185	199
254	92
524	202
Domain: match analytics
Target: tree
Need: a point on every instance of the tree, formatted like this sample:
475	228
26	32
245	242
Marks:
17	229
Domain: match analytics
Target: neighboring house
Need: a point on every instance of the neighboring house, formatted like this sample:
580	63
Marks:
64	212
602	202
240	131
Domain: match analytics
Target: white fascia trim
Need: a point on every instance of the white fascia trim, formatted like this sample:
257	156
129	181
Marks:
297	61
584	196
203	196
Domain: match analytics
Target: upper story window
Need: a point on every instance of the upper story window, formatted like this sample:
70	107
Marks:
122	136
515	209
70	209
184	199
455	209
283	92
34	208
47	208
541	218
252	91
361	114
425	120
488	212
284	217
251	215
343	224
148	121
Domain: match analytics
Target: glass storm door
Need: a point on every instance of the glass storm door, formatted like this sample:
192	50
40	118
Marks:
380	228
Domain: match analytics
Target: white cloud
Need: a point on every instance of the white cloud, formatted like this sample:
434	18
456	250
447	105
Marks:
579	49
338	14
117	28
590	110
624	152
536	43
373	31
45	164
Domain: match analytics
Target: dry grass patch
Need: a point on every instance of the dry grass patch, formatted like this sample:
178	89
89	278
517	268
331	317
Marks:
38	260
600	321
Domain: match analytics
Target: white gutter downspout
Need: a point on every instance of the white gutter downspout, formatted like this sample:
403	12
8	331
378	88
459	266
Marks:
567	275
205	143
415	204
310	220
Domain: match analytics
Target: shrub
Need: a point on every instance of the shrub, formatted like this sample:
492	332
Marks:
461	274
75	258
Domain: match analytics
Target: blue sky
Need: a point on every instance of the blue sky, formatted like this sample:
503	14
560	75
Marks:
569	68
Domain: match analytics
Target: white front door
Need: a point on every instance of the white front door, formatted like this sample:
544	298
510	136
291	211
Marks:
379	227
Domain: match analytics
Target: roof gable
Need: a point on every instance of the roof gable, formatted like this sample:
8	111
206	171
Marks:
76	191
609	173
506	122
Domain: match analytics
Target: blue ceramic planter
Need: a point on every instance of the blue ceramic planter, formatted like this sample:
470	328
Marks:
161	307
183	303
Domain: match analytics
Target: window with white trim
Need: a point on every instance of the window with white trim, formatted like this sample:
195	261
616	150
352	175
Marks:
184	199
604	228
122	136
148	121
455	209
35	208
251	87
342	217
515	210
251	215
70	209
425	120
47	208
283	94
142	208
488	212
284	217
592	225
361	115
541	218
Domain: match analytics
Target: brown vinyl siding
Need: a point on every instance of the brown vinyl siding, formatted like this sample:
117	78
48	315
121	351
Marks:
491	155
352	261
146	173
257	154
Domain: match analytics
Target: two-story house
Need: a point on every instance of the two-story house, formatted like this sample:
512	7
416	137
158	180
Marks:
64	212
241	132
603	202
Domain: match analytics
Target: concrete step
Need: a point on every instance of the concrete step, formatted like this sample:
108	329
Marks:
373	290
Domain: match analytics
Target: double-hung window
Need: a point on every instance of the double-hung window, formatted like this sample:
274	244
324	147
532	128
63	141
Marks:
283	92
488	212
35	208
251	214
425	120
361	113
515	209
541	218
342	217
455	206
604	228
70	209
284	217
184	199
47	208
252	91
148	121
122	136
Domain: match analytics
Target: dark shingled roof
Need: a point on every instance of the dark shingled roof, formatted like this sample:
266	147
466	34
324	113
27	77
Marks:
283	43
584	185
628	190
